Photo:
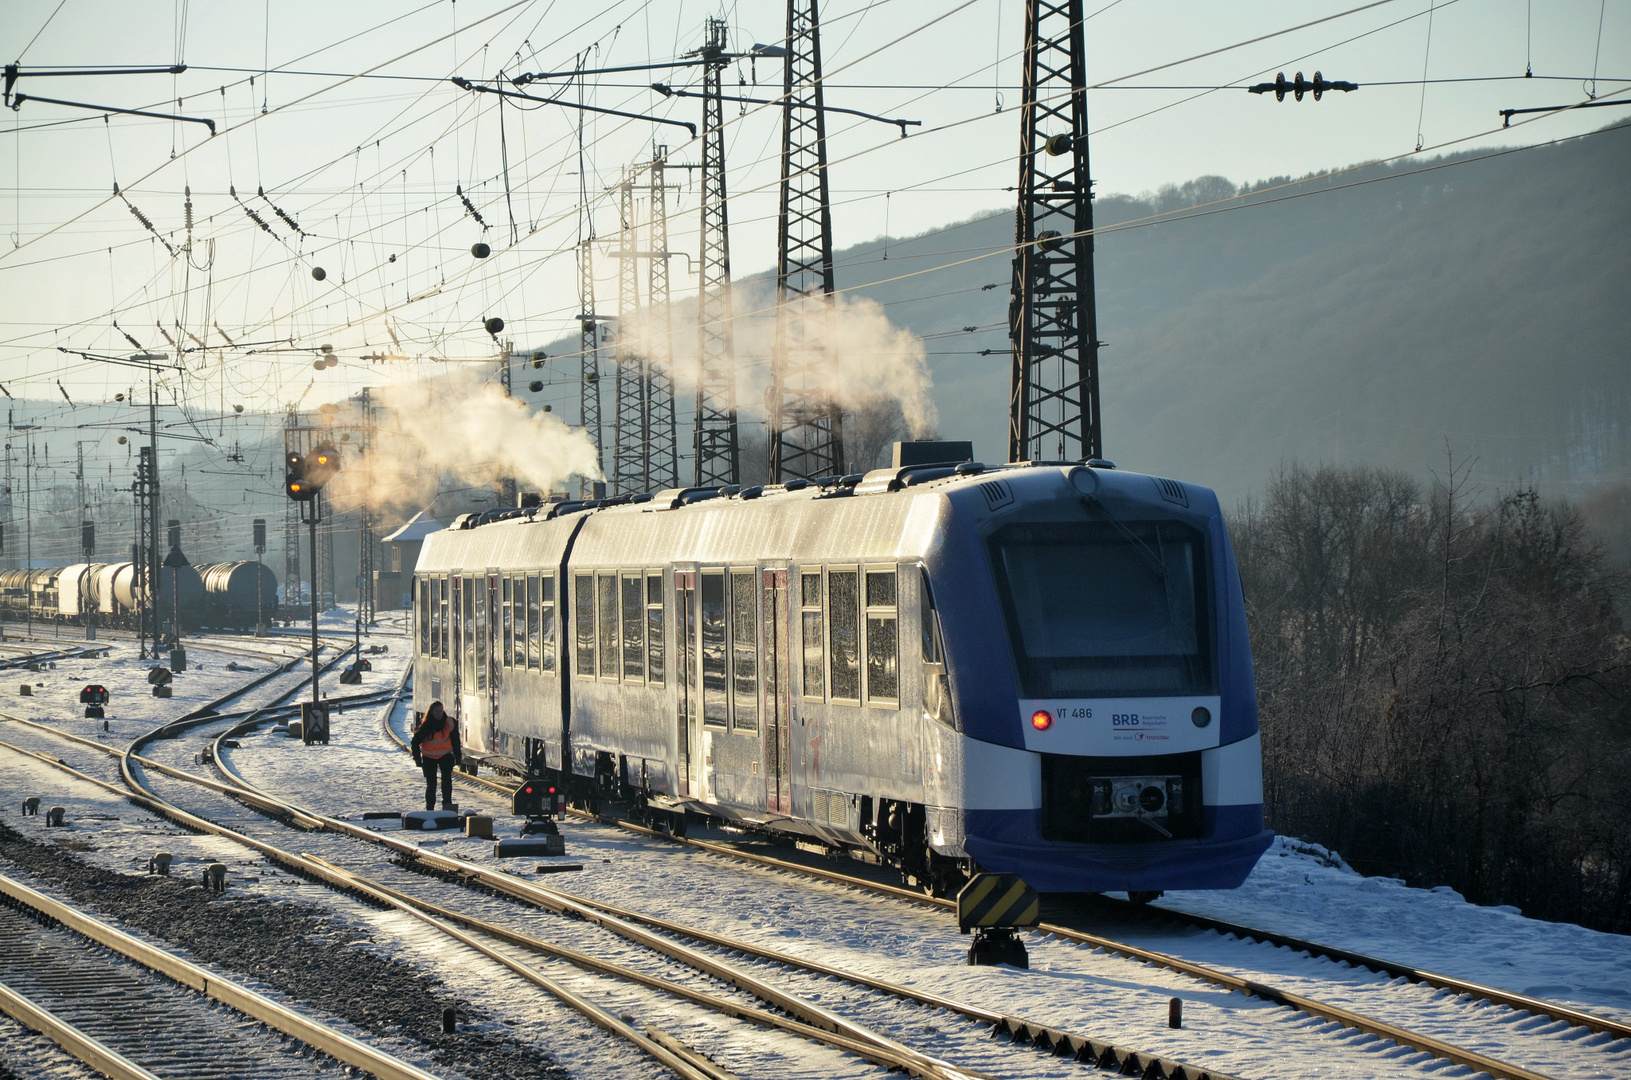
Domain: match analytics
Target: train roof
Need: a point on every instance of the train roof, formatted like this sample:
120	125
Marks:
885	514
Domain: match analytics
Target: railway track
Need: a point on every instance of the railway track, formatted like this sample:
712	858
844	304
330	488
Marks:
487	935
133	1011
787	1013
1024	1032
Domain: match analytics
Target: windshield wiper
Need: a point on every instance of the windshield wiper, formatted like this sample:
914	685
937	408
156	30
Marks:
1151	559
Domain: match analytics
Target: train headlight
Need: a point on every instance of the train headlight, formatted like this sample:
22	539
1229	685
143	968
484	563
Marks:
1042	719
1201	716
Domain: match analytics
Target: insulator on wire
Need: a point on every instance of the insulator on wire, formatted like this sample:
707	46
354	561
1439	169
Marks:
256	218
287	220
1299	86
141	217
470	208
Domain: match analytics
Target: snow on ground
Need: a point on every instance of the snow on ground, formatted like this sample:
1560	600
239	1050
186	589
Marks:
1301	890
1295	889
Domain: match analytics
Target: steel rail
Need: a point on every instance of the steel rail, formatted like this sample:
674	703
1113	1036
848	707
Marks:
1248	987
314	1033
815	1016
1522	1002
88	1049
314	871
869	1046
891	1056
1251	988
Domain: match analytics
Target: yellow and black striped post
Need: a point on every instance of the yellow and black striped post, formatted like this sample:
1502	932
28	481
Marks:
997	900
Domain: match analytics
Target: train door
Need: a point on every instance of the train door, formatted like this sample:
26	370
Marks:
472	675
685	675
773	661
484	730
455	652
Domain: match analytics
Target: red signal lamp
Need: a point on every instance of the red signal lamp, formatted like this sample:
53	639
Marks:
1042	719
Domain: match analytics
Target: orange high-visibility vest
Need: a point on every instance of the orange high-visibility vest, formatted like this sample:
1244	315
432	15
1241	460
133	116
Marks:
439	744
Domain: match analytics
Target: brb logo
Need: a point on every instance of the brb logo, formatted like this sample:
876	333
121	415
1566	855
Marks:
1123	719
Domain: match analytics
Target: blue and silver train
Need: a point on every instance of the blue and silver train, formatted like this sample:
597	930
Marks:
1037	668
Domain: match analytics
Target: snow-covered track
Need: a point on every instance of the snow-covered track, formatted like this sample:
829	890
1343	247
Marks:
32	660
1478	991
1025	1031
134	1011
658	1044
809	1021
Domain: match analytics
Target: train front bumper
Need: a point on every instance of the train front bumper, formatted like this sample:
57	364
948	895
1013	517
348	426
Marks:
1007	841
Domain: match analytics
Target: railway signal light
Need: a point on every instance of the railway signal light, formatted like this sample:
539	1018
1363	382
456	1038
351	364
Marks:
321	466
1300	86
294	478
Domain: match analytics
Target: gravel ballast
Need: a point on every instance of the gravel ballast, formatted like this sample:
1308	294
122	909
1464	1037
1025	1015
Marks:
275	943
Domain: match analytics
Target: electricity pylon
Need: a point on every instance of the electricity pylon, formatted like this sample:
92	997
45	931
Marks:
806	425
718	454
631	439
1053	409
664	456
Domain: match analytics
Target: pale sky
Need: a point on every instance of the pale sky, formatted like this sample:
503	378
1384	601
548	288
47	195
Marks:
367	167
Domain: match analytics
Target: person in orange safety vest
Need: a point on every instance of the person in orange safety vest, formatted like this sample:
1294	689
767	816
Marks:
436	750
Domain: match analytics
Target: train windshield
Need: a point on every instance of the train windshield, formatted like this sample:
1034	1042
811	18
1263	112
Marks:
1105	609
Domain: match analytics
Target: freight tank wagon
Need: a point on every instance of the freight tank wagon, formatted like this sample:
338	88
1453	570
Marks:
1040	669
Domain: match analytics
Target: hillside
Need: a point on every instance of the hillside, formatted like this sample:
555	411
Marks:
1484	304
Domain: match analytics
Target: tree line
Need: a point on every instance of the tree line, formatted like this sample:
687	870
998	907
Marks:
1444	686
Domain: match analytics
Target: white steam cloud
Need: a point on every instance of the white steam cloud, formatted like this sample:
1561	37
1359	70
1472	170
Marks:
459	426
872	360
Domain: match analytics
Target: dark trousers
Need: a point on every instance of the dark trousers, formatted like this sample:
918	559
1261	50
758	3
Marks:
430	766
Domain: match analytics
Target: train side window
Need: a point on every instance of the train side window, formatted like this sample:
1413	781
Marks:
844	634
531	644
634	627
435	616
654	629
543	655
507	606
815	665
444	591
715	704
583	610
744	652
606	603
519	661
930	631
423	594
882	638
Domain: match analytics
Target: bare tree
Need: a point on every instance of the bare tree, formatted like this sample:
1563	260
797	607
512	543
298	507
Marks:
1444	687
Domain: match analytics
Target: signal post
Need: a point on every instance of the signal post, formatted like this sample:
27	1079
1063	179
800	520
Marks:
304	482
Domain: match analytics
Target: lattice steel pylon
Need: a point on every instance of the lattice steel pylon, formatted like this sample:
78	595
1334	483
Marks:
631	441
589	353
664	459
806	423
1053	410
718	452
